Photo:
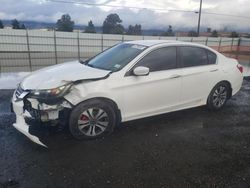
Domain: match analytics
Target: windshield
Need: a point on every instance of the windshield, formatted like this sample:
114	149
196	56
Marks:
117	57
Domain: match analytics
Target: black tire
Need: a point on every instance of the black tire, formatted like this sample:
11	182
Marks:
82	113
216	99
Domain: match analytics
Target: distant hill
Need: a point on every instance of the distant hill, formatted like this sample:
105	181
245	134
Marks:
33	24
150	32
45	25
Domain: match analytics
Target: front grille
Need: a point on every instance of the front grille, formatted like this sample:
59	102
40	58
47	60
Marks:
18	91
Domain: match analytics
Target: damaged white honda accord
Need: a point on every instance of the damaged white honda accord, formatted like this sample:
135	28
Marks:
129	81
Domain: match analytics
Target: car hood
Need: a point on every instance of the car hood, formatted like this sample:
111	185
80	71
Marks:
61	74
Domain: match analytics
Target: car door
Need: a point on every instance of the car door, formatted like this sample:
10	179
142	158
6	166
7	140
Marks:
157	92
200	74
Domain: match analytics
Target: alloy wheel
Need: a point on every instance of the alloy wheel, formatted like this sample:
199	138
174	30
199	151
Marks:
220	96
93	121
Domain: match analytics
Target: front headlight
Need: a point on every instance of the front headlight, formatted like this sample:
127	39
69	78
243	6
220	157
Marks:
50	93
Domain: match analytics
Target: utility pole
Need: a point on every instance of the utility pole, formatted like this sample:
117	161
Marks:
199	20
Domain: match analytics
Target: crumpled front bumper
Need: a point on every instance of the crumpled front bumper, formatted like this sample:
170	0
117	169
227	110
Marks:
20	124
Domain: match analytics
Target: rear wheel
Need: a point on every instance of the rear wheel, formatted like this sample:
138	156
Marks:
92	119
218	96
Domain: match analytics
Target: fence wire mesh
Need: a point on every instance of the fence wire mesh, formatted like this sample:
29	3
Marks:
29	50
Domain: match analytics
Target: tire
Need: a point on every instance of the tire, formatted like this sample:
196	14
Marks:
218	96
92	119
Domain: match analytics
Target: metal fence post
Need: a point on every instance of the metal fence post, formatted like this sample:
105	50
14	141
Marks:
191	39
56	58
122	38
206	41
238	49
78	46
28	48
231	48
102	42
219	44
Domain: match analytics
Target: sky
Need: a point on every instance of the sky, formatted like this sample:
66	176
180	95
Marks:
152	15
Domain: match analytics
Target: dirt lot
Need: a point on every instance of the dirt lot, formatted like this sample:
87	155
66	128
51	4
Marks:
190	148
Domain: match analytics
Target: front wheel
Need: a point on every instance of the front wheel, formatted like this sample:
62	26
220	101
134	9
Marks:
218	96
92	119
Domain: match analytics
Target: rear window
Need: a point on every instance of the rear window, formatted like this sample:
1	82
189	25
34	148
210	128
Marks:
193	56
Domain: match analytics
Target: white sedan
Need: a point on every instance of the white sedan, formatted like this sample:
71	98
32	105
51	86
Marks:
129	81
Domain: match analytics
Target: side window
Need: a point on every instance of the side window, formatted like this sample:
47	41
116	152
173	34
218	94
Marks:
160	59
193	56
211	57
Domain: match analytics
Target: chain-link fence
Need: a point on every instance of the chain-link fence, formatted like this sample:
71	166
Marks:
29	50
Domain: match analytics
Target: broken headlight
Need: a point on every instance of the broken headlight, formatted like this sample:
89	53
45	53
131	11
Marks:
51	93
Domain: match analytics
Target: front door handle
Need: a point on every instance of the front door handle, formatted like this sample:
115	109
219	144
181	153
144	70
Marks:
214	70
175	76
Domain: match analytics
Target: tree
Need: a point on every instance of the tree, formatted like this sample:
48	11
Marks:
169	31
65	23
90	28
22	26
134	30
1	24
214	33
234	34
15	24
192	34
112	25
209	30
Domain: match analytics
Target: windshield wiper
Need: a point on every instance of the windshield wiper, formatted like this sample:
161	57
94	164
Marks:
90	65
83	62
86	63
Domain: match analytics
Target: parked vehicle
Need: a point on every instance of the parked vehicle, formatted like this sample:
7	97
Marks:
129	81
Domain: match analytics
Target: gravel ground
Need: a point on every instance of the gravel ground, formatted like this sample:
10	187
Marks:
190	148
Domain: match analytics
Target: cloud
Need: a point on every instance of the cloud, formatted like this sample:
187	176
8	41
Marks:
46	11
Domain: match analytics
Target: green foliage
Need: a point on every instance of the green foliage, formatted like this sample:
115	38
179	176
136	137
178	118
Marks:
15	24
192	34
90	28
22	26
214	33
65	23
134	30
112	25
169	31
1	24
234	34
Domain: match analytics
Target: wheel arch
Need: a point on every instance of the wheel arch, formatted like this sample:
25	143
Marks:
225	82
107	100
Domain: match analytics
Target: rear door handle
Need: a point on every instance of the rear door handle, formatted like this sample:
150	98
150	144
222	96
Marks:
175	76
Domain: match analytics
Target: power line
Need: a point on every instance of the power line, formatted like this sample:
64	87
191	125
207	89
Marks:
140	8
229	15
119	6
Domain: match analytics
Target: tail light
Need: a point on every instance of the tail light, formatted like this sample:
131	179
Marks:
240	68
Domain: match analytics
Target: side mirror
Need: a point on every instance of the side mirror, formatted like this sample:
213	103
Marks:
141	71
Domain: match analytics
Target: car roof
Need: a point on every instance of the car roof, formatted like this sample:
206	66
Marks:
149	43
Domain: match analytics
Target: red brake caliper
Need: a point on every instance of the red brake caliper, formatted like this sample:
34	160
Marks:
84	117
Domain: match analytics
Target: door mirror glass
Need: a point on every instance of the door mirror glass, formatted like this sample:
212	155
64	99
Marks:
141	71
